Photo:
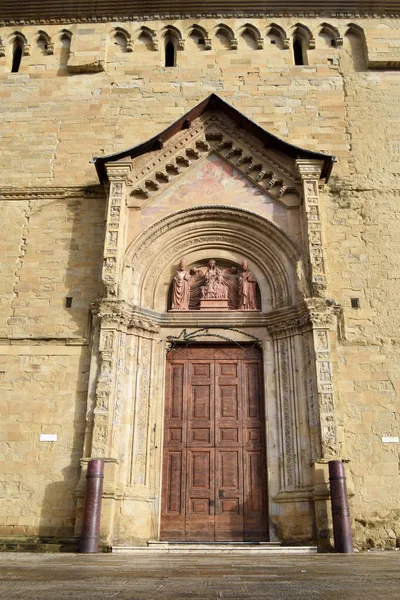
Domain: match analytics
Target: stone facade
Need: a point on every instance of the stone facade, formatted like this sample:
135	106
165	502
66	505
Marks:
86	265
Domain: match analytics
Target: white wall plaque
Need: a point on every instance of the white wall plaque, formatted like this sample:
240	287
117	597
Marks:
48	437
387	439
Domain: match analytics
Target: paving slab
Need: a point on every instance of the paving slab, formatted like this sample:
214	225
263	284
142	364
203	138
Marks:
151	576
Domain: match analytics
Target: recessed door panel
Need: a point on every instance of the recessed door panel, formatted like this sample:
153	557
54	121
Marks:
199	522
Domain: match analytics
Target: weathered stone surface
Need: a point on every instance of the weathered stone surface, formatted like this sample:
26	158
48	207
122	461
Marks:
92	97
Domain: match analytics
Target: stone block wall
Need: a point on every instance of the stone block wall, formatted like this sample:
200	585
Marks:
103	89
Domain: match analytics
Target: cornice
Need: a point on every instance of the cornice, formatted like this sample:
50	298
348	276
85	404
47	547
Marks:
43	340
50	192
83	11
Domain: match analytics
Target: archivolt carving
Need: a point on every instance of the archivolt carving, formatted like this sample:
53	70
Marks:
175	235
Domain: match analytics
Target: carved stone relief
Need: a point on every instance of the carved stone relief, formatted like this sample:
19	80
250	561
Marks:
286	415
116	319
140	436
213	288
113	249
310	172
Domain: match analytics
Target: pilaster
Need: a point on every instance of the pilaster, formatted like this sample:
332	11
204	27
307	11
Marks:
114	245
310	173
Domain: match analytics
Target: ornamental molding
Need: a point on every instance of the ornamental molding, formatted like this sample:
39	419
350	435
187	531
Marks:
213	133
119	314
289	321
174	236
44	193
212	213
356	13
313	313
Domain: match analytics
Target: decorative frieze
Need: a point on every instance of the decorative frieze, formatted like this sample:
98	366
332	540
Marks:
44	193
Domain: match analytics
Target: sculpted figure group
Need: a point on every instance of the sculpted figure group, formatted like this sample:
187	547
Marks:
189	287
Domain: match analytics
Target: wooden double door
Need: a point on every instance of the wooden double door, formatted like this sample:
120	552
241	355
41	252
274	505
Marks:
214	464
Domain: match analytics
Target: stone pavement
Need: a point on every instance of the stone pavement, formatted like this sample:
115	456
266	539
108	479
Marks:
182	577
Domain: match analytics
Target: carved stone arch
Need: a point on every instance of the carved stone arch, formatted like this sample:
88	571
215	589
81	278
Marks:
303	40
202	33
66	33
151	34
254	32
353	28
332	33
19	39
275	30
64	40
355	36
305	34
228	33
45	42
173	33
125	38
234	233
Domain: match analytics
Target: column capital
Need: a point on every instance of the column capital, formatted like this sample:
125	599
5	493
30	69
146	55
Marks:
309	168
119	171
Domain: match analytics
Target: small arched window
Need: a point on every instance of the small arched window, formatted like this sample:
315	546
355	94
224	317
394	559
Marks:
170	55
298	52
17	57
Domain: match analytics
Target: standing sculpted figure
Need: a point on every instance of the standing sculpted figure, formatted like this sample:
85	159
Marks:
247	289
181	287
214	283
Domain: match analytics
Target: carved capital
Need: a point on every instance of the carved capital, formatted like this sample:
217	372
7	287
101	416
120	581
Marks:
322	314
119	171
118	314
309	169
288	321
313	313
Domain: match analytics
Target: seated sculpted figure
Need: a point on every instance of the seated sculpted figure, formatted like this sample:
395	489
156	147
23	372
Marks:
214	283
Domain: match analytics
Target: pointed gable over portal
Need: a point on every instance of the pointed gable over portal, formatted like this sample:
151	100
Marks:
213	156
214	126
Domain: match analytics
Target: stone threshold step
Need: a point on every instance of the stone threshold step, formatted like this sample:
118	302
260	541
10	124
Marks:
156	543
213	547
